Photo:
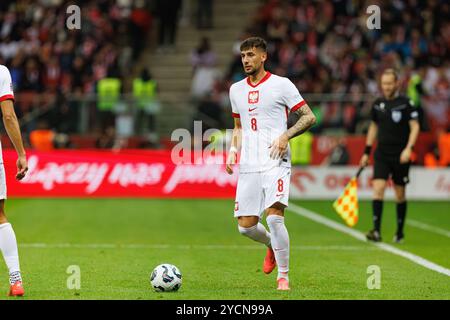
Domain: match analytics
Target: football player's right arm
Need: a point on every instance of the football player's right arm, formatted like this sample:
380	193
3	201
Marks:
236	141
12	128
370	139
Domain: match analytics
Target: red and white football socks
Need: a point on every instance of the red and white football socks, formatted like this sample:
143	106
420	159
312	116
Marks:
8	247
280	244
257	232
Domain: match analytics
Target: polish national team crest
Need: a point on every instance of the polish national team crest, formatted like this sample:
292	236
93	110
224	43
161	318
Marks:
253	97
396	116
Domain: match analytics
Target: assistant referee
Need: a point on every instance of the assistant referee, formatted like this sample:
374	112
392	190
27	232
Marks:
395	125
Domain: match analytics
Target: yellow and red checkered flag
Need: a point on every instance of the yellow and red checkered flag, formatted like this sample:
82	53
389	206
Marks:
347	203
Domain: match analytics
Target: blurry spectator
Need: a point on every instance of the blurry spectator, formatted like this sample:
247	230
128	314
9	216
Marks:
8	48
141	21
62	141
438	154
431	159
203	61
52	76
16	70
64	114
444	148
209	112
415	91
339	154
437	105
42	138
32	77
124	121
301	149
78	72
167	12
108	95
146	100
107	138
205	14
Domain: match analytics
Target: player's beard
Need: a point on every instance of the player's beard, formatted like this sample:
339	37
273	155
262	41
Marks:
251	72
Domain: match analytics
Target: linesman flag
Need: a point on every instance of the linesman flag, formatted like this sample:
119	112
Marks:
347	203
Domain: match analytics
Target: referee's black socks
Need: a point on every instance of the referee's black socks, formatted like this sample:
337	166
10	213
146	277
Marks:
401	215
377	207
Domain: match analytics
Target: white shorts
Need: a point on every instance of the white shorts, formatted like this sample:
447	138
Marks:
2	182
257	191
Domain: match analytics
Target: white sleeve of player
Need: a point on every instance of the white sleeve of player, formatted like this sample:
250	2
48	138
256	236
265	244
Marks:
234	109
291	97
6	87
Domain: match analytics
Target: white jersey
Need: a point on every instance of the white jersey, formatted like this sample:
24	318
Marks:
6	92
263	109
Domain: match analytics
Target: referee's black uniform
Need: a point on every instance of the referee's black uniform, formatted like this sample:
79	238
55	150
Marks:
392	118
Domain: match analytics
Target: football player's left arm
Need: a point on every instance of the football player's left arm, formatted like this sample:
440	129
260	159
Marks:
405	156
306	119
13	130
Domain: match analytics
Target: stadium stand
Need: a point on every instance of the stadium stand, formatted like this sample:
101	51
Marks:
53	68
325	47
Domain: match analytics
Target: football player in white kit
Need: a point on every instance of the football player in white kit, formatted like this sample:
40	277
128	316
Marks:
261	104
8	243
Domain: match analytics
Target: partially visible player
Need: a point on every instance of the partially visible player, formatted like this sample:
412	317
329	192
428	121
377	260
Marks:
260	107
8	243
395	125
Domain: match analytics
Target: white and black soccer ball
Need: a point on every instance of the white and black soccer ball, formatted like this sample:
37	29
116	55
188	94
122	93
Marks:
165	277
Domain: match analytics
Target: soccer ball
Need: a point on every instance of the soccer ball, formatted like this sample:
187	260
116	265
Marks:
165	277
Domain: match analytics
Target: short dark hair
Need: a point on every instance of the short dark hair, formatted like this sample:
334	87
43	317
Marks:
254	42
391	71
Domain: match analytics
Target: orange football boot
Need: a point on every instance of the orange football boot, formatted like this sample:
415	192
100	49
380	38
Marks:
269	261
16	289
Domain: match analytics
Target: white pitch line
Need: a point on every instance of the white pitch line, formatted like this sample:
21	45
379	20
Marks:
360	236
427	227
181	247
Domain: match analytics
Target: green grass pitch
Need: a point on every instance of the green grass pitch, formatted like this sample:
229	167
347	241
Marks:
116	243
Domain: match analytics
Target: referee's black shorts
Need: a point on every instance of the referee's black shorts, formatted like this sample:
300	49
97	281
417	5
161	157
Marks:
385	167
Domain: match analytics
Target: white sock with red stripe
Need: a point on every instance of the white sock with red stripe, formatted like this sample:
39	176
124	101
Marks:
280	244
8	247
257	232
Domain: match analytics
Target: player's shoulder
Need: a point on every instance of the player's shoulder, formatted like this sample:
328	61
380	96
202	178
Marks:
3	70
239	84
280	80
282	85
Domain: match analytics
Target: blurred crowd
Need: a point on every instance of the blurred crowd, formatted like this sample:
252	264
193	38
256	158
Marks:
52	66
325	47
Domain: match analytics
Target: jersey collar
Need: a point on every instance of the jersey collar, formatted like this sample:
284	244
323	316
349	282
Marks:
267	76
